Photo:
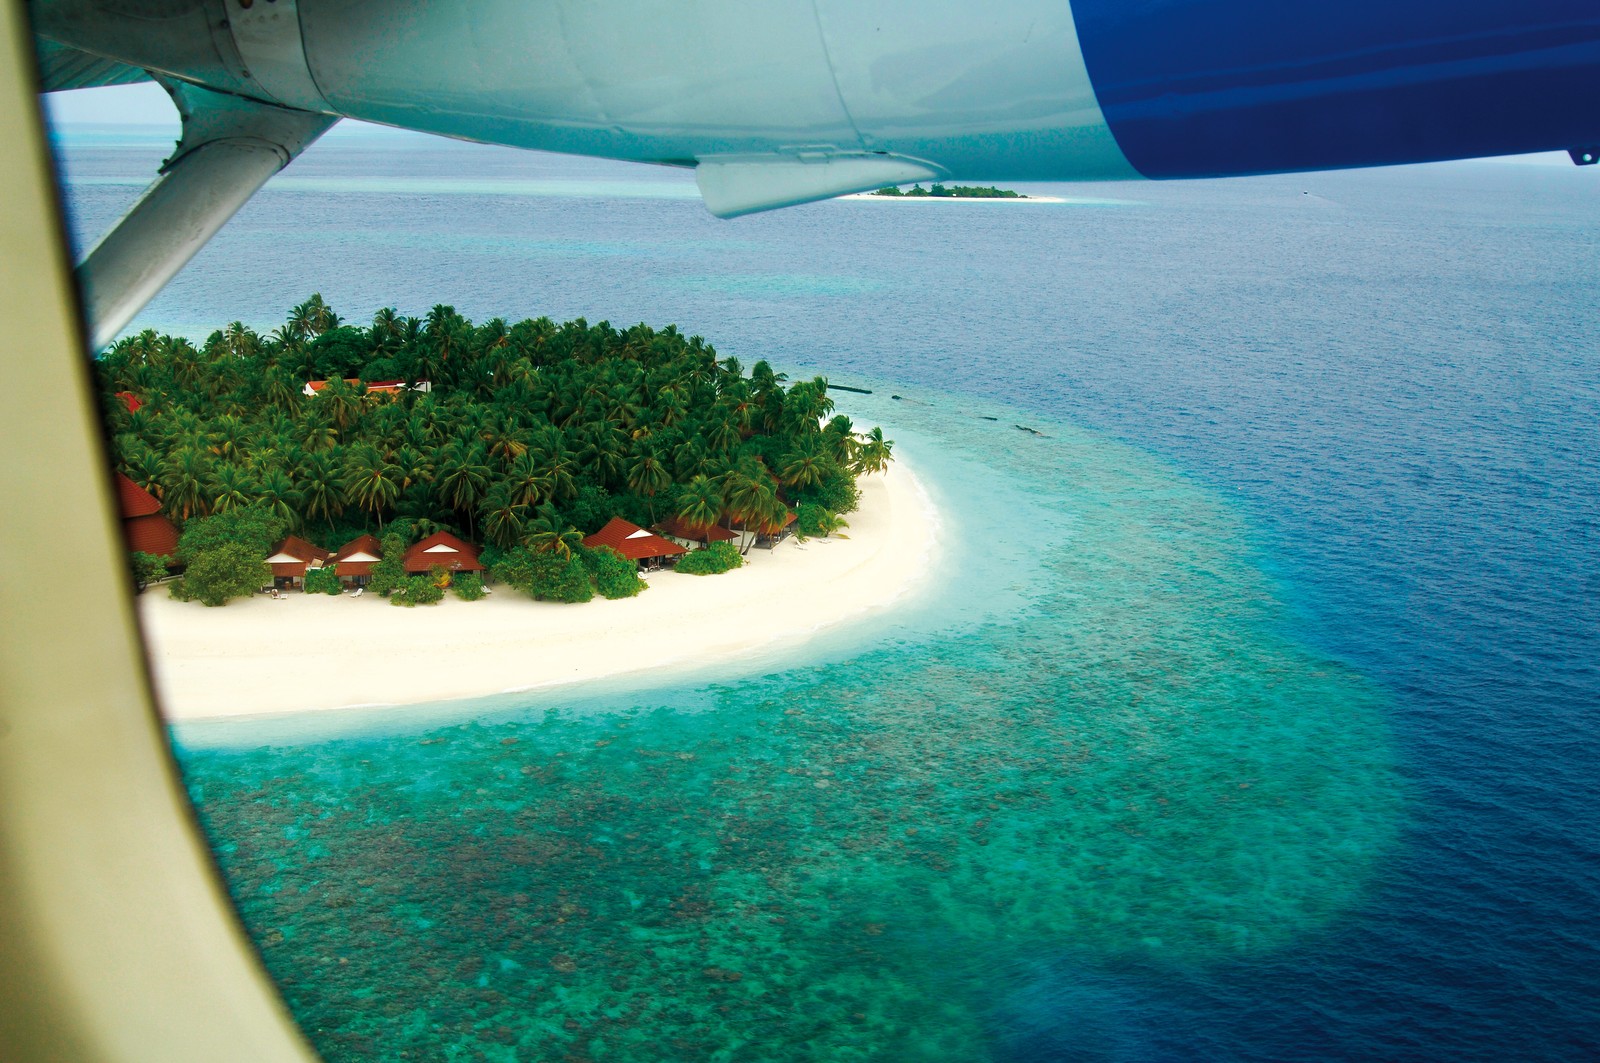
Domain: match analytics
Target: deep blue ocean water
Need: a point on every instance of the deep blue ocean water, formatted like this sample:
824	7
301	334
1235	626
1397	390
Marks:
1251	715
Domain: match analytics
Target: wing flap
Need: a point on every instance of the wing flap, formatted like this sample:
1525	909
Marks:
732	185
62	68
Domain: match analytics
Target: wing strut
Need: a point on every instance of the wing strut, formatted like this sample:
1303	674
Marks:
230	147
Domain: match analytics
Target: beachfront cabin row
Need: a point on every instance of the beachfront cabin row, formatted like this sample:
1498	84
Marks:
645	548
293	557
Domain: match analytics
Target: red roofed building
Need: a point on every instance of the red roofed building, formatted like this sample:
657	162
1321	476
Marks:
375	387
292	557
144	526
133	402
356	558
770	535
442	548
634	543
680	530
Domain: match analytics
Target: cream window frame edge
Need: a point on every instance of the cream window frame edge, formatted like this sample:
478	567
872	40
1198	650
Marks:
117	939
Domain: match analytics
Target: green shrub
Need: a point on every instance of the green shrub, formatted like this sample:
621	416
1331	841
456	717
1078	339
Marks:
545	576
220	573
250	526
812	519
614	575
388	574
146	568
416	590
323	581
563	579
837	493
468	586
718	557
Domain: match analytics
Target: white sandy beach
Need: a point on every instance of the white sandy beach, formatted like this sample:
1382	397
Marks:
316	652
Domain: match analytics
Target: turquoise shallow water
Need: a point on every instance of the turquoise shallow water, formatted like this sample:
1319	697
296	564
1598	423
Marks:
1392	378
1087	746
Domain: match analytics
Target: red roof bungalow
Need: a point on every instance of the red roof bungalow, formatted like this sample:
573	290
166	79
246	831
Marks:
678	529
442	548
770	535
356	558
292	557
144	526
374	387
634	543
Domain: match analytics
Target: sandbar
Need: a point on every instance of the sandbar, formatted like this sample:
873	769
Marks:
317	652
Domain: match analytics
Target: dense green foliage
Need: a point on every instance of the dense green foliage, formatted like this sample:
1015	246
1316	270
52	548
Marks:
417	590
614	576
718	557
223	554
468	586
253	526
220	573
545	575
938	191
389	572
323	581
530	436
816	520
146	568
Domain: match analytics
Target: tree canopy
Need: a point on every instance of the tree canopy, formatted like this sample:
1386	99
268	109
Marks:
524	436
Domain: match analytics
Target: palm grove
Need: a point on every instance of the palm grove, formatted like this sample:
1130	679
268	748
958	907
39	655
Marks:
532	435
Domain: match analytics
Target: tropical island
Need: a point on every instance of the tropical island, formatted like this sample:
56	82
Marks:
938	191
412	458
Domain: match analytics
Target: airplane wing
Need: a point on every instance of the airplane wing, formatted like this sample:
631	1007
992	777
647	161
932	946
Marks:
779	102
62	67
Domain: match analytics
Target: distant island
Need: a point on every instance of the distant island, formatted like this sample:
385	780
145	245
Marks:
938	191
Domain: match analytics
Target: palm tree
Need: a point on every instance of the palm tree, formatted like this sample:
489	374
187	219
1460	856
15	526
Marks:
749	498
279	389
647	476
601	448
462	478
548	533
840	437
278	494
342	402
414	466
232	487
700	503
142	465
312	317
504	518
185	474
322	487
807	465
528	483
725	429
387	331
875	453
371	482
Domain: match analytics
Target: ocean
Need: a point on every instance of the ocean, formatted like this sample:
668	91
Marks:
1250	712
